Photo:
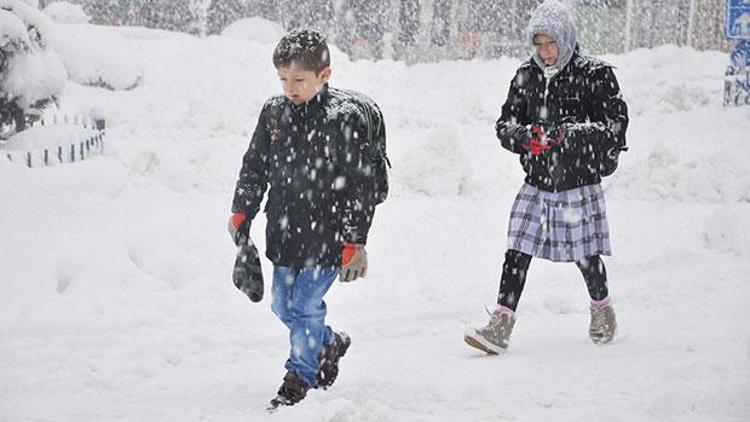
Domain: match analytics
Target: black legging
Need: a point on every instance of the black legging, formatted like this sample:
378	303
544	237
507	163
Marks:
517	264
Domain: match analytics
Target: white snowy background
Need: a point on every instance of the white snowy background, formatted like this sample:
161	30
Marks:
117	302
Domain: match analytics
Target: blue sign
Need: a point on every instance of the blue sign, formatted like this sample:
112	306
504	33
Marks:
740	57
738	19
737	76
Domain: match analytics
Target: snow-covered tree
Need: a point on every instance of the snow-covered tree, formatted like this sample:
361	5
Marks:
31	75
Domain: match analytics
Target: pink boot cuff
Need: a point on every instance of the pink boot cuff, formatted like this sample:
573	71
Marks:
601	303
506	310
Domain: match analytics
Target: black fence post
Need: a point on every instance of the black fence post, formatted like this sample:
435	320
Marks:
100	124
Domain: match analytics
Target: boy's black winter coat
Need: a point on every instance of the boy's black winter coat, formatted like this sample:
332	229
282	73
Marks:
584	100
318	162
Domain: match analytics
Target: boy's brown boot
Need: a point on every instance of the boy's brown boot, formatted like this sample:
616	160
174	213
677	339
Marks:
329	359
292	391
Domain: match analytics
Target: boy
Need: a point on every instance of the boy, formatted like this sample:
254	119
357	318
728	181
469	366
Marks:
565	117
321	151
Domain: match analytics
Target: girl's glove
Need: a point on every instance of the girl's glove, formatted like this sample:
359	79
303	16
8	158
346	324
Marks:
542	137
353	262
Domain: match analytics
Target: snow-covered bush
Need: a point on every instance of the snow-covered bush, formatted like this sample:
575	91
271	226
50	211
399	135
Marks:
95	56
31	74
254	29
65	12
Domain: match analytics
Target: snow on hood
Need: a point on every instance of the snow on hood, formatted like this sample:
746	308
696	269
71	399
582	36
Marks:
556	20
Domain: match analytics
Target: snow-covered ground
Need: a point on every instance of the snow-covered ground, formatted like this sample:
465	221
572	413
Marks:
117	302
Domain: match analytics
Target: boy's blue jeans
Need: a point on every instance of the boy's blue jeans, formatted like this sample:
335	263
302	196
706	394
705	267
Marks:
297	299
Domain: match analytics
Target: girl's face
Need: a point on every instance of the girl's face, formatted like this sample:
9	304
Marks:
547	48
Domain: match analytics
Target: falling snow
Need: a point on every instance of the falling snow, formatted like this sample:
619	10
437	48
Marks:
118	302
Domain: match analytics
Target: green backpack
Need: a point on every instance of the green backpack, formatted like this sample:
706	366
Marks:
377	147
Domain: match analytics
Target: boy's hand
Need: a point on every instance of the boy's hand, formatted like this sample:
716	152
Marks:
353	262
238	225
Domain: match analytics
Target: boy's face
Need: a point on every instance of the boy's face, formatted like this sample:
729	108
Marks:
300	85
547	48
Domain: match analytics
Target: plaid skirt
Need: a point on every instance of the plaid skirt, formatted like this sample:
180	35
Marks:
559	226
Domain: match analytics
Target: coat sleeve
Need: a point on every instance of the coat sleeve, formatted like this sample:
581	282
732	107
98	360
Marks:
358	174
609	118
514	115
253	179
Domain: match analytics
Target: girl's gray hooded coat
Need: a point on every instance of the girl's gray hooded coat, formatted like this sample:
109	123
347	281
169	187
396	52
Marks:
580	96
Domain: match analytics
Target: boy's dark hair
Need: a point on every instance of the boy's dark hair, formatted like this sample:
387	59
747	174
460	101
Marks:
304	48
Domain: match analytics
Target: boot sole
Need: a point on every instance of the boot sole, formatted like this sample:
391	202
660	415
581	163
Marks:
481	344
600	341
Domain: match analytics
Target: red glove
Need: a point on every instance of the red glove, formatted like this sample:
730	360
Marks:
350	249
536	147
542	138
536	143
238	225
353	262
237	219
